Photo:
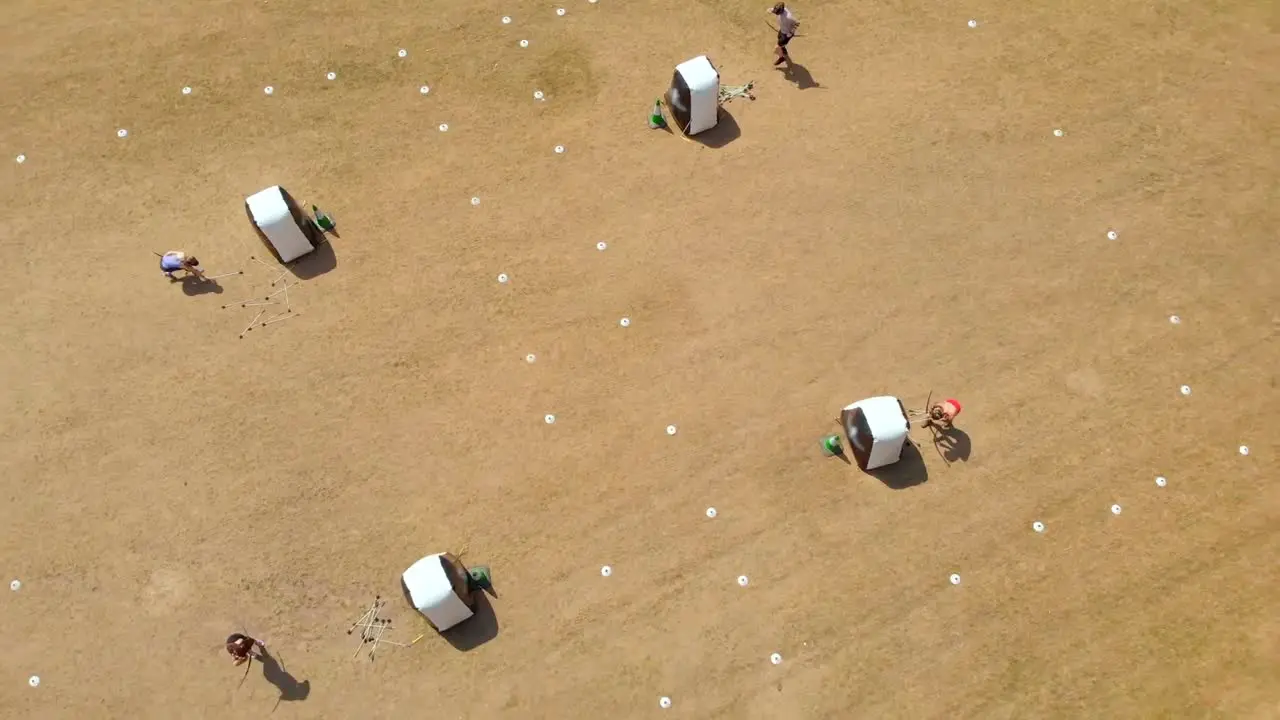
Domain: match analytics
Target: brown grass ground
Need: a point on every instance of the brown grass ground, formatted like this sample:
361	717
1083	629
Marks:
909	224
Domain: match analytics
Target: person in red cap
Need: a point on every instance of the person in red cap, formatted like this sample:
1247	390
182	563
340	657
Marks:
942	414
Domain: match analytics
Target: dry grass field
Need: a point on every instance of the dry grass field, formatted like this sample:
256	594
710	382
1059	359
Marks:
894	216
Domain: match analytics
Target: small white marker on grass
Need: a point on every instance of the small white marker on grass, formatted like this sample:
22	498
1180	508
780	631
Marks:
1161	481
954	579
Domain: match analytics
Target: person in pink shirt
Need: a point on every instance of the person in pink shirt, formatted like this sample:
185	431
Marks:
787	24
942	414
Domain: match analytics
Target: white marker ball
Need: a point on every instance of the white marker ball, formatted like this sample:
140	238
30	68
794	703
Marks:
424	89
743	581
606	571
506	19
1175	319
524	43
625	322
122	133
1185	389
268	90
1244	449
955	579
1112	235
34	681
559	149
711	512
502	277
186	91
560	12
671	429
1037	526
531	358
331	76
973	23
537	95
1116	509
549	419
21	159
16	585
403	53
1057	132
776	659
444	127
475	201
664	702
593	2
602	246
1161	481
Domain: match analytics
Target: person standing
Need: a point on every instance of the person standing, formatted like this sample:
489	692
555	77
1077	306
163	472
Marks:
787	24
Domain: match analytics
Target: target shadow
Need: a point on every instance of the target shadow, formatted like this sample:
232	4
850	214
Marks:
908	472
477	630
315	263
725	132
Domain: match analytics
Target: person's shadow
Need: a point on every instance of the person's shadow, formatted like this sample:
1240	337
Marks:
954	444
192	285
799	75
288	686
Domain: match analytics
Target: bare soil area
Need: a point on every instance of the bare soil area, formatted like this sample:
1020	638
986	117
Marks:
895	215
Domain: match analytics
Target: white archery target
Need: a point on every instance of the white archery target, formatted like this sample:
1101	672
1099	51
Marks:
402	52
34	681
122	133
524	43
269	90
606	571
1116	509
559	149
1112	235
1175	319
776	659
560	12
625	322
1185	389
475	201
537	95
16	585
973	23
531	358
1161	481
424	89
444	127
331	76
186	91
1244	449
711	512
21	159
502	278
1037	526
506	19
664	702
743	580
955	578
1057	132
549	419
599	246
671	429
